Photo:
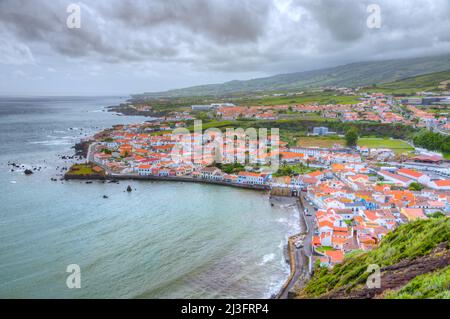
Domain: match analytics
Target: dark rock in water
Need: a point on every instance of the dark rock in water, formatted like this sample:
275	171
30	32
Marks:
88	182
129	189
105	197
28	172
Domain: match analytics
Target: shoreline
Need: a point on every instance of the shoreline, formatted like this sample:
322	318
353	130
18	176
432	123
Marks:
130	177
273	200
297	265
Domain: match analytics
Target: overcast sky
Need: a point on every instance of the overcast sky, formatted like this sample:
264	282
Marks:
126	46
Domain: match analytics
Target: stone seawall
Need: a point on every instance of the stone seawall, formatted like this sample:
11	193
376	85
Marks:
165	179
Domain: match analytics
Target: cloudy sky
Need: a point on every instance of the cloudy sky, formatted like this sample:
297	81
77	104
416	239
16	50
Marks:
126	46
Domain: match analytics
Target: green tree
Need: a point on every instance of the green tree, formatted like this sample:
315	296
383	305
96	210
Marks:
351	137
415	187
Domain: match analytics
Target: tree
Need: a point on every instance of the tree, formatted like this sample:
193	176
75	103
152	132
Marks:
107	151
351	137
437	215
415	187
203	116
284	170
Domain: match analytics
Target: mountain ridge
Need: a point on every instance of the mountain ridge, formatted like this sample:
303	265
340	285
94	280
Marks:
351	75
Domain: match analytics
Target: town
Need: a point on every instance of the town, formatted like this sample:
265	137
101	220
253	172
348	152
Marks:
352	196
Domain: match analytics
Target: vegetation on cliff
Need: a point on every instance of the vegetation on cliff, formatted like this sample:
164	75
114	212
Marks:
435	285
412	250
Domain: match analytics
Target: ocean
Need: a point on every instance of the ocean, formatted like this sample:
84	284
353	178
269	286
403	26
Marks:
163	240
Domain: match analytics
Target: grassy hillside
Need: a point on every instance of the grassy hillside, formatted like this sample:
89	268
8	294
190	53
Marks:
427	82
353	75
433	285
412	250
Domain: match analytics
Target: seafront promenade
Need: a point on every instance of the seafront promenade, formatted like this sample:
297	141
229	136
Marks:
299	257
184	179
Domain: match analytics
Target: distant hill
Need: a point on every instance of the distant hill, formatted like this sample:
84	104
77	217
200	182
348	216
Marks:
350	75
427	82
414	261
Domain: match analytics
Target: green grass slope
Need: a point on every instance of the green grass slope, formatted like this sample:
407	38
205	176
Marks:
407	252
435	285
353	75
427	82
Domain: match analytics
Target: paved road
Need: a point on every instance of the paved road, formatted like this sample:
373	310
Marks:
90	153
301	255
310	220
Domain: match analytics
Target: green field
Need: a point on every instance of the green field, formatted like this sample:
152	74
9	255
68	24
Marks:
306	117
319	141
81	169
398	146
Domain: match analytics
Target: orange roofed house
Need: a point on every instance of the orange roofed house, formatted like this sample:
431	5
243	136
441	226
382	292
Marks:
331	258
443	184
415	175
413	213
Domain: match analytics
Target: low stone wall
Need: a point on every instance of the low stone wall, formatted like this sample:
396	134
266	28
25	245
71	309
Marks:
84	177
165	179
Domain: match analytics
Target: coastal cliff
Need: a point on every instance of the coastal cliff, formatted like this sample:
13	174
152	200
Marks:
414	262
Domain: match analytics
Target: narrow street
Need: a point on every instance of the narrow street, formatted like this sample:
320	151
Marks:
300	273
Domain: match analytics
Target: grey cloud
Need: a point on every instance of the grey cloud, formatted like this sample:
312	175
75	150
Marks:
136	30
221	21
218	38
344	20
